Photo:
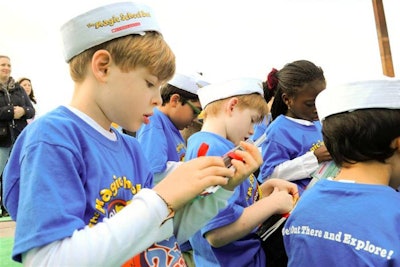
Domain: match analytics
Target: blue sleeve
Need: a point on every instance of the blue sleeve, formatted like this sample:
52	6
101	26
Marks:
228	215
148	136
273	154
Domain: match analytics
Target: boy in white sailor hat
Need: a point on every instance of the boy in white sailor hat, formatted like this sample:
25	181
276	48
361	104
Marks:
195	126
160	137
231	109
353	219
81	192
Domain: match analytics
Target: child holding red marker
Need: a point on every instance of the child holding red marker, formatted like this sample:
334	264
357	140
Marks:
230	111
80	191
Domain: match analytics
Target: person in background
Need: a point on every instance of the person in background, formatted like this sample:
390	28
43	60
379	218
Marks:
353	219
80	191
195	126
231	109
27	85
294	145
15	110
161	140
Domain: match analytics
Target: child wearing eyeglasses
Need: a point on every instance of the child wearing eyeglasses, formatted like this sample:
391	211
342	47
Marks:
160	138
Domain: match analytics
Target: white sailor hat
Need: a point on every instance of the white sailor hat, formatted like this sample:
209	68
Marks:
190	82
234	87
383	93
106	23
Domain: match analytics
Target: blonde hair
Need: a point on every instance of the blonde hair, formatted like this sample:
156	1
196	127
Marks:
128	52
251	101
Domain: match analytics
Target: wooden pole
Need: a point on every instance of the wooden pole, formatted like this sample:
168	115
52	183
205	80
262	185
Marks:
383	38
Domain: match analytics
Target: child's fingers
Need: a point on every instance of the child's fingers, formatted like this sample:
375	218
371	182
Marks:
248	161
208	166
254	152
188	181
251	159
206	161
216	171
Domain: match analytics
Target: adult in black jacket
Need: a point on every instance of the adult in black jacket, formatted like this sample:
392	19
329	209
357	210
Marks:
15	109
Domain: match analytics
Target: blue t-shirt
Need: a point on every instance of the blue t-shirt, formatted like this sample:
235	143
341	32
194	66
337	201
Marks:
287	140
344	224
161	141
79	177
246	251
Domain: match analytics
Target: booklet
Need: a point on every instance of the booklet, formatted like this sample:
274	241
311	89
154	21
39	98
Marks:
325	170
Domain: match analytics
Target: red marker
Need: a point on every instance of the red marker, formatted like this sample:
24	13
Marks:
202	150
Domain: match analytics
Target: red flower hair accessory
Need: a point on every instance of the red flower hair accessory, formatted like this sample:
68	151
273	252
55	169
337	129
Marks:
272	80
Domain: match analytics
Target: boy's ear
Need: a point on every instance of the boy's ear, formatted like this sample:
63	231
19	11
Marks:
396	144
232	102
174	100
101	62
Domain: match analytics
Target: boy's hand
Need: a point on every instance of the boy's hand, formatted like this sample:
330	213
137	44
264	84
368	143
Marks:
190	178
251	161
284	193
322	154
282	185
282	200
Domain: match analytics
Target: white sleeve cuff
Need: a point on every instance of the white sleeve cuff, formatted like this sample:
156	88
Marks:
297	168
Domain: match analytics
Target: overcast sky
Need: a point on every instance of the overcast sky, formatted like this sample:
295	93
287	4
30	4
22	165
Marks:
221	38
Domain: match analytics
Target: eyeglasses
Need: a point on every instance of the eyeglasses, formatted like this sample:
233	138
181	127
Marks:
196	110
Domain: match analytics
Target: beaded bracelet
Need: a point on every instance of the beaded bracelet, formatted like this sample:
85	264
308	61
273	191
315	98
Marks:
171	213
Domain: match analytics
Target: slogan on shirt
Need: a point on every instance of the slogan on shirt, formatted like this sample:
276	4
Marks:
108	195
340	237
